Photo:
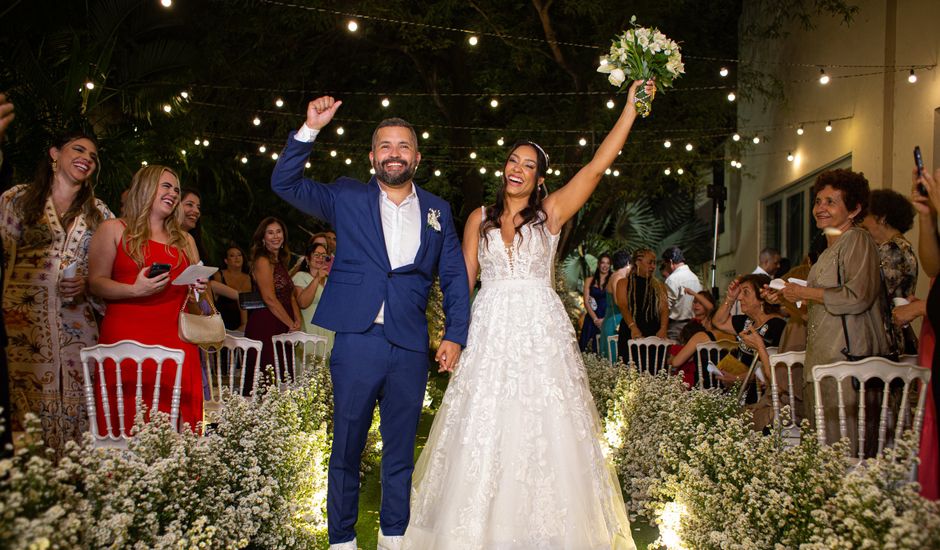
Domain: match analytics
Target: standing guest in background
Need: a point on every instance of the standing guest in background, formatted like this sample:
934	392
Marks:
308	286
890	215
143	308
925	194
595	304
189	212
331	240
234	276
768	263
269	257
620	268
46	227
843	292
6	416
678	278
642	301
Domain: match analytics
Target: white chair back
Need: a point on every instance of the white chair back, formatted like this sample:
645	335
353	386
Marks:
867	369
649	355
710	353
138	353
295	341
613	351
789	360
227	367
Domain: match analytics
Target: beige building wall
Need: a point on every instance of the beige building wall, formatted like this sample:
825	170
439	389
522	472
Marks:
884	115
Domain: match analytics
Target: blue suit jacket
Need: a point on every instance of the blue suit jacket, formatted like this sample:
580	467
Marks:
362	277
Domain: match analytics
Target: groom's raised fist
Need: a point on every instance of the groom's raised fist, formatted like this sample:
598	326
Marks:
320	111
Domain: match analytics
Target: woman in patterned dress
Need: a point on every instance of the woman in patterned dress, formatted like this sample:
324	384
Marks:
46	228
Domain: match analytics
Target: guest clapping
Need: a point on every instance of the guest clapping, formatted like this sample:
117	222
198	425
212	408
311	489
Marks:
142	307
308	286
269	257
759	315
46	227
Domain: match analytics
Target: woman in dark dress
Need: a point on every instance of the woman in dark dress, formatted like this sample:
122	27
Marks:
269	268
642	300
595	302
235	276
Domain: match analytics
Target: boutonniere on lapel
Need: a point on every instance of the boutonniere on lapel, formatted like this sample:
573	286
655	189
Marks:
434	216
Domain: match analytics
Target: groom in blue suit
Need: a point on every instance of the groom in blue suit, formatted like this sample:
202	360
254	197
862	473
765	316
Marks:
392	239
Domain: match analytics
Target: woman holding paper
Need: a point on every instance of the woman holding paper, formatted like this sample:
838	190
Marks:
141	307
46	226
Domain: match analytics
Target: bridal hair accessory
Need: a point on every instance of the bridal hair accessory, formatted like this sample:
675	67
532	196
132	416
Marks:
539	147
434	216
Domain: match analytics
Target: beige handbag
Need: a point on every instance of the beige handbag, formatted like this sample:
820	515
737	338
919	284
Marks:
200	329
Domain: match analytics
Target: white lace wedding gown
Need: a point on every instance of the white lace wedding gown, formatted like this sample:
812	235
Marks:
514	459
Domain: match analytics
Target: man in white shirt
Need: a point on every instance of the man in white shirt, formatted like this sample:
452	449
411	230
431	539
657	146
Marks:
768	263
678	278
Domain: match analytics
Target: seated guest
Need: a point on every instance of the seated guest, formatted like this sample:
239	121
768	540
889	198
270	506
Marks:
309	283
642	301
678	278
141	307
46	226
269	255
620	268
890	215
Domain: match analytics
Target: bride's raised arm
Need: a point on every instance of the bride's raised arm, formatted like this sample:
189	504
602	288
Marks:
565	202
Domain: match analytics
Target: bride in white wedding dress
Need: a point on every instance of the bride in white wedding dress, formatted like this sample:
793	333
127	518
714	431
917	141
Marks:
514	459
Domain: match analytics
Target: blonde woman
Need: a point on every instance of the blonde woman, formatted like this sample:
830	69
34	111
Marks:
142	305
46	227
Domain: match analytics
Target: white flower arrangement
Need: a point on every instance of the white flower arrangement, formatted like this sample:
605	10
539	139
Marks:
642	53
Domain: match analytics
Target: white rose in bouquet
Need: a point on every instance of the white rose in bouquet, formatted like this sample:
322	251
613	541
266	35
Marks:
616	77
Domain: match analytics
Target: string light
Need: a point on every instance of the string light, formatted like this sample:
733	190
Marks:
610	104
198	141
607	171
256	121
307	164
244	160
582	142
731	96
143	163
274	156
498	173
500	142
494	103
262	149
667	144
183	152
829	126
333	153
352	26
340	131
756	140
736	137
473	40
348	160
789	156
482	169
425	135
667	171
372	171
723	72
184	94
166	3
278	103
473	154
912	78
167	108
680	171
90	85
385	102
557	172
437	173
823	77
799	131
688	147
205	143
616	173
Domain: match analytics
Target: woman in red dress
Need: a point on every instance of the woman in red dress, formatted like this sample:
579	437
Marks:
142	308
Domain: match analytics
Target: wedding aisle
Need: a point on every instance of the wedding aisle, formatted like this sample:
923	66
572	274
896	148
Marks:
370	497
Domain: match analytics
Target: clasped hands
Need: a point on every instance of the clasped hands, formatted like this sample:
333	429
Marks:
447	356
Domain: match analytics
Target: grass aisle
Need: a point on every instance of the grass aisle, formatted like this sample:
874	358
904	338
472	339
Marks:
368	526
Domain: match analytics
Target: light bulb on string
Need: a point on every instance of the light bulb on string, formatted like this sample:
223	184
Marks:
829	126
723	72
494	103
688	147
90	85
912	78
557	172
756	140
166	3
256	121
437	173
184	94
789	156
582	142
736	137
372	171
167	108
348	160
667	144
498	173
607	171
143	163
799	131
667	171
500	142
340	131
333	153
183	152
244	160
823	77
385	102
307	164
352	25
616	173
610	104
278	103
197	141
680	171
262	149
425	135
731	96
205	143
473	154
473	40
482	169
274	156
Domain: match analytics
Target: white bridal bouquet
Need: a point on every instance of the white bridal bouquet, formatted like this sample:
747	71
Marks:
642	53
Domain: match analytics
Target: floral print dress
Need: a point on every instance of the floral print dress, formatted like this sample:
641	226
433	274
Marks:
45	333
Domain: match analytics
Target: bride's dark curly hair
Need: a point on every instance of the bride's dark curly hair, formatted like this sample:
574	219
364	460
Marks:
533	213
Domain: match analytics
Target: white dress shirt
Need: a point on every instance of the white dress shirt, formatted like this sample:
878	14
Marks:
401	223
680	303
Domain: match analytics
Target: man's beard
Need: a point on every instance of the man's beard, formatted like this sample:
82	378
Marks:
404	176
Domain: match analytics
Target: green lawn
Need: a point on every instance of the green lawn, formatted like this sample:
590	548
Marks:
367	528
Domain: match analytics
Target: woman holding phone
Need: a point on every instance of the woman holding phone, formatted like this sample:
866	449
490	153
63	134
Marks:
133	260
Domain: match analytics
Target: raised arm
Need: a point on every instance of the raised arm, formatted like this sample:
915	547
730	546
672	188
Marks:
928	244
471	246
565	202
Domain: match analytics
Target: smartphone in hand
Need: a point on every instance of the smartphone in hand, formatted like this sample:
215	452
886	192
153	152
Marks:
919	163
157	269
